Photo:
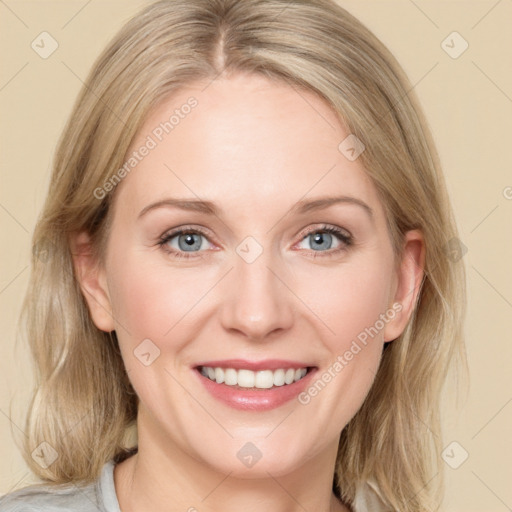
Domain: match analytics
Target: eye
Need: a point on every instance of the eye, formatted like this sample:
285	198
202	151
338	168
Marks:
328	239
184	240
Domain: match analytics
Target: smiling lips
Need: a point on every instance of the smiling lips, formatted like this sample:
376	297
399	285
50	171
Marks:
261	379
253	385
254	374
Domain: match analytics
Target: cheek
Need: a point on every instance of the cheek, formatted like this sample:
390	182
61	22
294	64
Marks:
152	305
349	301
139	302
152	300
349	298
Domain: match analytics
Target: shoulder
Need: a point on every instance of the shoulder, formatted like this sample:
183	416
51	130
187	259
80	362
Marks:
39	498
59	498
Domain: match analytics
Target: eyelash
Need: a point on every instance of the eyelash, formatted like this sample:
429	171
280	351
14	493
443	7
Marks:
166	237
344	238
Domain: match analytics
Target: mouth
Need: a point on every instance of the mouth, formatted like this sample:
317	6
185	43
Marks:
244	378
254	386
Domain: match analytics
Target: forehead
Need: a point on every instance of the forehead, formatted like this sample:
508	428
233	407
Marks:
243	141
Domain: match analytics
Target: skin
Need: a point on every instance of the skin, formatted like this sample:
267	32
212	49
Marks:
254	148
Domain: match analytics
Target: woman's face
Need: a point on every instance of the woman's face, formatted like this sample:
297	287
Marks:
268	272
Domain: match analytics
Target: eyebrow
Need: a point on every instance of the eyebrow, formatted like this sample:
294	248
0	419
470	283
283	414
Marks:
301	207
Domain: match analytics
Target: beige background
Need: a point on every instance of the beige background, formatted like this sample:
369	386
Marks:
468	101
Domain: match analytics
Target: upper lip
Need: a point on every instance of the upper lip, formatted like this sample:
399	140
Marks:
243	364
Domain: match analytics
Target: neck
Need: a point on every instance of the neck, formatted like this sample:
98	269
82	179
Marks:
172	480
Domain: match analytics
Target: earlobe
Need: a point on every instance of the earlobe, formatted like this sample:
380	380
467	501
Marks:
92	280
409	280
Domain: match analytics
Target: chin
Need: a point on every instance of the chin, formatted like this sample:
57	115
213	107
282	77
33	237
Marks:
254	460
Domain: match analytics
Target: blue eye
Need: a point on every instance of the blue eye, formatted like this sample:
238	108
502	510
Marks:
183	241
190	242
322	239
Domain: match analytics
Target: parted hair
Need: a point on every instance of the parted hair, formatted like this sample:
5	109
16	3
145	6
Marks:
83	405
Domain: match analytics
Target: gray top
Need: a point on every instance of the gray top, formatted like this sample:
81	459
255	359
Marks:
99	496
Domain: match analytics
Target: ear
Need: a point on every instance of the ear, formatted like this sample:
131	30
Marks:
92	280
409	277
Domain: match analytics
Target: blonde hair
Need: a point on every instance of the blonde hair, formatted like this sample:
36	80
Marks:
83	403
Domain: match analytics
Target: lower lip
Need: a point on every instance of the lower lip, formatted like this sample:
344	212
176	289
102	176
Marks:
255	399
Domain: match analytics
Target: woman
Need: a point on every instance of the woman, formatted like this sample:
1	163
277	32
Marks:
243	253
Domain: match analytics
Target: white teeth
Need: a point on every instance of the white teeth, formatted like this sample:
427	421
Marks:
230	377
263	379
290	376
219	375
279	378
246	378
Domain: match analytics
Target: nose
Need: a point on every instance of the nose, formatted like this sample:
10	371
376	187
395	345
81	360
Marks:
257	302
